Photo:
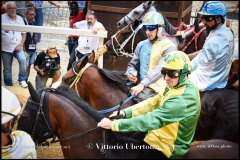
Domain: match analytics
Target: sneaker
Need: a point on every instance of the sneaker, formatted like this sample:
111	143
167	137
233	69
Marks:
23	84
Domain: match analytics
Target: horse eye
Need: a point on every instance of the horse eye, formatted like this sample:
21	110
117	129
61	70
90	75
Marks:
135	12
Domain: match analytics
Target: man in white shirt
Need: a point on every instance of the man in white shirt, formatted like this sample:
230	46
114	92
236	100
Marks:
12	46
88	44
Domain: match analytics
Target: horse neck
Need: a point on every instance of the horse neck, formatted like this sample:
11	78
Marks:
75	121
60	107
170	31
200	40
94	88
175	40
168	27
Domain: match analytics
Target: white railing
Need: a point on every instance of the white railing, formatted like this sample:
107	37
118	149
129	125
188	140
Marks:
57	30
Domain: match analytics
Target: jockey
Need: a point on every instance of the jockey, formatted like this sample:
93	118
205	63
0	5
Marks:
16	144
147	58
168	121
211	65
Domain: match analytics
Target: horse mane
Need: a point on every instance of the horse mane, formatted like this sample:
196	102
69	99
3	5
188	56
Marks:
115	137
168	26
115	78
70	94
191	34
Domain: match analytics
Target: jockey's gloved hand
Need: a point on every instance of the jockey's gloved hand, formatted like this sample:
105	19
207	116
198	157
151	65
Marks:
137	89
115	115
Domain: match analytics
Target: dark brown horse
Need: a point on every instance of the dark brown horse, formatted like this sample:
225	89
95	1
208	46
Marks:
219	116
102	89
195	40
93	86
63	114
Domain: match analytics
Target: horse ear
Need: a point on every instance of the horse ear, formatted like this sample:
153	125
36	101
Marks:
148	4
91	57
82	62
196	25
145	4
33	92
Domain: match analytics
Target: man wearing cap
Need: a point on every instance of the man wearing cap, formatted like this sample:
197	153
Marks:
88	44
15	144
47	65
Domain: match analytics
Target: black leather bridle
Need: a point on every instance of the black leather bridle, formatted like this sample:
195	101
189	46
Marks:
41	112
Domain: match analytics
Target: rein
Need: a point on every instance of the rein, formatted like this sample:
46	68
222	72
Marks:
40	111
117	106
121	51
195	37
79	73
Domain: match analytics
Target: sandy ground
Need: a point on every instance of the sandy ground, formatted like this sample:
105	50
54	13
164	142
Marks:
54	152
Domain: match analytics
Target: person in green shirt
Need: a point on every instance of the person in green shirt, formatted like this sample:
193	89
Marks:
167	120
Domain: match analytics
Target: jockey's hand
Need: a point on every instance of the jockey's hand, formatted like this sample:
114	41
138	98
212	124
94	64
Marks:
137	89
105	123
115	113
178	33
132	78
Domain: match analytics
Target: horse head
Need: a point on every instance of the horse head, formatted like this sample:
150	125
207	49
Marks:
136	14
195	38
69	77
28	119
124	41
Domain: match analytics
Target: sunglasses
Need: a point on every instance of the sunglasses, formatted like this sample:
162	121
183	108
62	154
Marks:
150	27
208	18
170	73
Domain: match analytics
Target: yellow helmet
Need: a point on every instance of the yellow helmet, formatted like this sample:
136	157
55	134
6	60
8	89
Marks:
178	60
10	105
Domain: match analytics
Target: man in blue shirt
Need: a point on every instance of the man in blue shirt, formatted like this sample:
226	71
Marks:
211	65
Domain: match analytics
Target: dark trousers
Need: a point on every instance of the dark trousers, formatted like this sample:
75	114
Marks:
72	45
149	152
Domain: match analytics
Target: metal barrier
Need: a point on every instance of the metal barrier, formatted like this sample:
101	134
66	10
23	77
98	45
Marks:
54	17
57	17
58	30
